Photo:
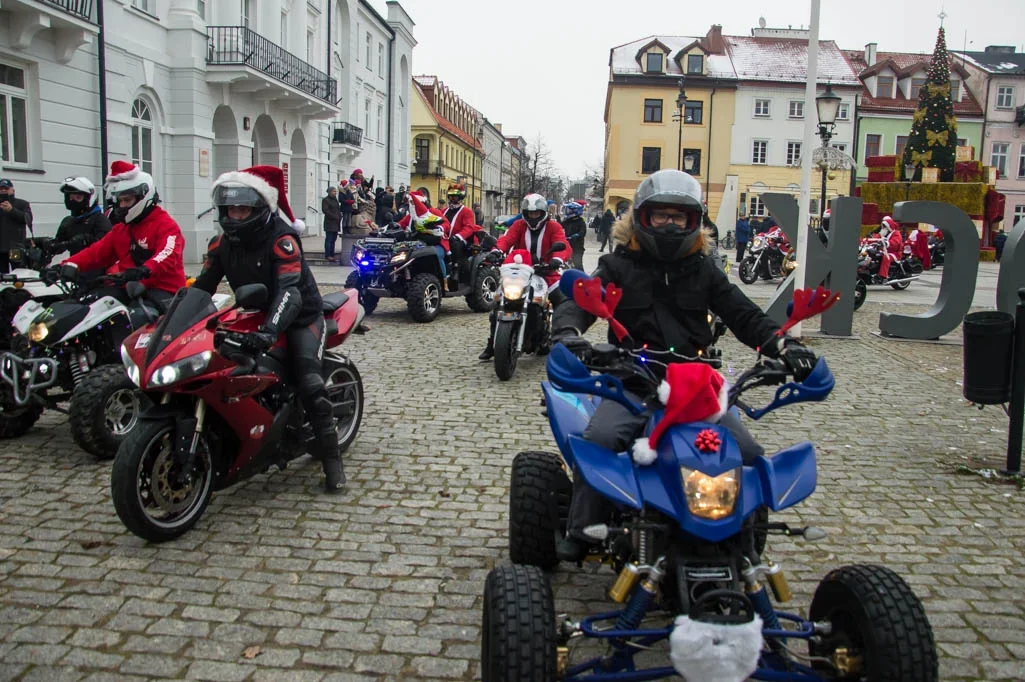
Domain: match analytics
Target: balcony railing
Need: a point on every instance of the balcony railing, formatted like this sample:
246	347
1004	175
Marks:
83	9
426	167
346	133
240	45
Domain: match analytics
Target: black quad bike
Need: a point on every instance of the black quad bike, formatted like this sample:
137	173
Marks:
25	282
395	263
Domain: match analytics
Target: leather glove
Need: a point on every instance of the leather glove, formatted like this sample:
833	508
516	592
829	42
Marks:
495	257
258	342
51	275
799	359
577	345
135	274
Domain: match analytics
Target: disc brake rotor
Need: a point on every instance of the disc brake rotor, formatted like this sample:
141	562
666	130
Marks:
167	494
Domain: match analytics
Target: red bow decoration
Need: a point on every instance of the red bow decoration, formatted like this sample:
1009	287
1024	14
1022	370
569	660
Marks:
808	303
587	294
708	441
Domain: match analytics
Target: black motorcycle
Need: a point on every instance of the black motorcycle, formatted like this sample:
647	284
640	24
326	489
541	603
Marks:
764	259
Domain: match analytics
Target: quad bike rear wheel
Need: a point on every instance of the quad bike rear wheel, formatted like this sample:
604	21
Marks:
104	409
485	290
518	642
539	497
879	631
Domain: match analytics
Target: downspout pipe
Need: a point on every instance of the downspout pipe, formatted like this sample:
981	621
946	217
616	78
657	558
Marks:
708	165
101	50
856	145
985	117
391	108
330	2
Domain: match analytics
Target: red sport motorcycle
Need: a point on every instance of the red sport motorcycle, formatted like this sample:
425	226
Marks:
220	413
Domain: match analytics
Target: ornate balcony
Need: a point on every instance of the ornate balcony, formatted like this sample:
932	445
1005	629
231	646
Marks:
348	134
71	22
253	64
83	9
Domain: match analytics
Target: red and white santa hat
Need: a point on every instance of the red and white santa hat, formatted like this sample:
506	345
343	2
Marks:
420	210
691	392
269	182
889	222
518	257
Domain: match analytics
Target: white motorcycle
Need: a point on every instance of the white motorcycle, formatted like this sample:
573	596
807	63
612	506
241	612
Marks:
523	322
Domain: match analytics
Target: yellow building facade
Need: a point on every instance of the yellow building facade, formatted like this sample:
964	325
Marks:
444	147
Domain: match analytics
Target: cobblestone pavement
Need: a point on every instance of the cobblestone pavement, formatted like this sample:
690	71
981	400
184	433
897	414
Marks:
279	582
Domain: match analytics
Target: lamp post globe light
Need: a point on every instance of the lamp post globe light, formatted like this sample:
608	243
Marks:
681	102
827	105
909	174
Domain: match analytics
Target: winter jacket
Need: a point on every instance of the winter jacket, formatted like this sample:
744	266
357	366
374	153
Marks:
346	200
155	242
14	223
743	230
605	226
80	231
666	305
576	230
332	211
461	219
520	236
385	202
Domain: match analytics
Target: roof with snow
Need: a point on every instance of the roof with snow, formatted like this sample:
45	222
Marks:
624	57
1003	61
905	65
786	60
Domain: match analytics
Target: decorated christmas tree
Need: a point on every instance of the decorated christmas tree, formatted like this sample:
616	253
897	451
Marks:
933	139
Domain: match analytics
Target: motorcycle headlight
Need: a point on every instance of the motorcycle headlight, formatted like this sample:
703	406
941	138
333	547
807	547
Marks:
399	257
130	367
711	497
38	331
182	369
512	290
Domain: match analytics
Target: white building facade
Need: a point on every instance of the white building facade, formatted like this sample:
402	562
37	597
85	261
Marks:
492	202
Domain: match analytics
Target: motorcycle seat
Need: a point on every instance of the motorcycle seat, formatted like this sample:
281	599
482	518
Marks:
333	302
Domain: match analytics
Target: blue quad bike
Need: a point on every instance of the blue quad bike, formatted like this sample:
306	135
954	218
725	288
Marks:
686	543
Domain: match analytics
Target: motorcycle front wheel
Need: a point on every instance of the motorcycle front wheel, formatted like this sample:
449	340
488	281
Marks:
747	272
150	497
506	354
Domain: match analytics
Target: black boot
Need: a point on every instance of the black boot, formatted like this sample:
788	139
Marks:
489	351
570	549
323	422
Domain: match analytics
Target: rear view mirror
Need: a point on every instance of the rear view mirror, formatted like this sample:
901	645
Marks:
251	295
557	247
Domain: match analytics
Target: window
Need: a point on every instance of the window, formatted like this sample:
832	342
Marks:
695	63
843	113
955	91
653	62
999	158
1021	162
366	117
759	150
916	88
380	121
884	87
380	59
762	107
692	112
1019	214
873	143
796	108
283	40
145	5
311	44
142	136
652	111
651	159
1005	97
793	153
201	8
756	207
813	206
369	41
13	115
898	147
423	149
842	146
247	13
692	161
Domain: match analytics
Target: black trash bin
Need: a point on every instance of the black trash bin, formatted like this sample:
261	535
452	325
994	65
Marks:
988	344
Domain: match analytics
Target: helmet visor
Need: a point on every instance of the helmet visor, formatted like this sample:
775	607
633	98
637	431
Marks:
237	196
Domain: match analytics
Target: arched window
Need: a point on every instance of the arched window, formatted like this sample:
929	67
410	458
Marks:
142	136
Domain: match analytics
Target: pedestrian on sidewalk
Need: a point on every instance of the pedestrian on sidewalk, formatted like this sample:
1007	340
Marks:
605	230
15	219
347	202
332	211
743	234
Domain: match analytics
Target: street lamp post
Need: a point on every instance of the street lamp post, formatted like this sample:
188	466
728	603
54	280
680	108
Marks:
827	104
909	173
681	102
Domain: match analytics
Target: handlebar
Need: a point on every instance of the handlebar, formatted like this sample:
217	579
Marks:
230	345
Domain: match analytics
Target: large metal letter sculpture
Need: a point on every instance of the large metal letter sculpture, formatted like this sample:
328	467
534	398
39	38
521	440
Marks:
1012	269
960	269
838	262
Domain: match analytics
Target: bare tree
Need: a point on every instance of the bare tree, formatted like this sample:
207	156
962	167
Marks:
537	170
599	182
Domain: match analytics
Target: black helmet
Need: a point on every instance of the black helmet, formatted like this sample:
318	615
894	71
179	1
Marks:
671	189
253	228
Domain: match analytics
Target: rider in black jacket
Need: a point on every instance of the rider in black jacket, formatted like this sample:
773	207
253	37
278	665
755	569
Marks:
87	223
259	246
575	226
669	285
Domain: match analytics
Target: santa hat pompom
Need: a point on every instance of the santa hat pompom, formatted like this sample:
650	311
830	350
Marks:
643	453
122	170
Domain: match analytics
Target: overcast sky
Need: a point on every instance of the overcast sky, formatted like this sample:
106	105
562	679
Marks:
541	66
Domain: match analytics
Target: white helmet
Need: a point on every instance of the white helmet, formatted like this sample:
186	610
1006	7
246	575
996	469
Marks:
79	186
128	178
534	202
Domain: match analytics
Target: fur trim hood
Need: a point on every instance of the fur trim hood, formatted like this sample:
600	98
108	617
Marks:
623	235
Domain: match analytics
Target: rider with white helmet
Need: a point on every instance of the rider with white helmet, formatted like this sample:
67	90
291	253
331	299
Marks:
86	223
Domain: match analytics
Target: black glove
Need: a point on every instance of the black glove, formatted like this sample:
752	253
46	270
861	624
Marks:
577	345
799	359
51	275
135	274
495	257
258	342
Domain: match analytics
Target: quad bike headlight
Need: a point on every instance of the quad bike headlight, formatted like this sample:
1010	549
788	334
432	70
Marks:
182	369
130	367
399	257
711	497
38	331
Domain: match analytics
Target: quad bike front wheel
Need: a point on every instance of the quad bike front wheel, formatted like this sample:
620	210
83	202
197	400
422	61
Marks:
518	642
16	420
539	485
104	409
423	297
154	499
366	299
879	631
485	290
345	391
506	353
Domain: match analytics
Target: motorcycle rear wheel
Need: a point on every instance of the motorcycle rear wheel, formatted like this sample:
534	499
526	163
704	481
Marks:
506	354
143	486
900	286
345	391
747	272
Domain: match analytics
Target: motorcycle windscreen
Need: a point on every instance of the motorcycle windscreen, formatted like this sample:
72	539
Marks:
189	306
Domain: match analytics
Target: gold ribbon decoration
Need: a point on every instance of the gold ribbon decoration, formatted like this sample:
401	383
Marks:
935	89
919	115
952	122
921	158
933	138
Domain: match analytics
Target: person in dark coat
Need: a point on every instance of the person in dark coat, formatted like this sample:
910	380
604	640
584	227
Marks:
332	211
576	231
605	230
347	203
743	233
87	223
385	202
670	283
15	219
